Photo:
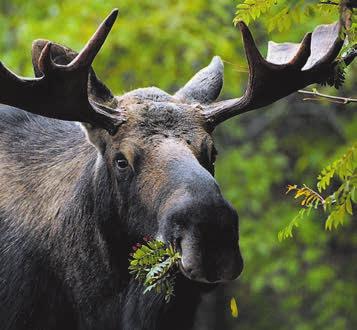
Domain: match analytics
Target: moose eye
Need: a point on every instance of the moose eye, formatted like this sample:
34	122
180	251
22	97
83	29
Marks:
121	161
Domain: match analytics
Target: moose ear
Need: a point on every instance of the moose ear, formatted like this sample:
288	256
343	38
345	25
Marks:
205	85
96	136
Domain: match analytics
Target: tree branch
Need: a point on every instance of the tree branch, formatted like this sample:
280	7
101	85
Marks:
318	96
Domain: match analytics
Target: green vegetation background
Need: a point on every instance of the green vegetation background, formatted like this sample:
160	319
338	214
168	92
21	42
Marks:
306	283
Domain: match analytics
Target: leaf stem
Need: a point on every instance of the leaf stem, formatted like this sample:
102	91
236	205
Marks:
322	200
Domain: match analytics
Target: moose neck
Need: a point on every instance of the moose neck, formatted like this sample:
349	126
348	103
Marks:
90	223
149	311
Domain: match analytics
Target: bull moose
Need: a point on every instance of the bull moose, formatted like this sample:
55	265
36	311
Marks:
85	174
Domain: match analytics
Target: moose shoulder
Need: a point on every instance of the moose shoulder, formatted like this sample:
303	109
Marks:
84	175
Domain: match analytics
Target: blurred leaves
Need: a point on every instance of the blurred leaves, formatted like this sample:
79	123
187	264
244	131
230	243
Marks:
282	15
307	283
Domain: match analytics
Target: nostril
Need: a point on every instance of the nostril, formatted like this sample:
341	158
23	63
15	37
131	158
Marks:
190	271
177	244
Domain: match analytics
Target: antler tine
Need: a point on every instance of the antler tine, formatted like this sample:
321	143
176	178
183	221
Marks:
45	63
62	90
87	55
91	49
325	45
251	50
264	75
287	68
303	52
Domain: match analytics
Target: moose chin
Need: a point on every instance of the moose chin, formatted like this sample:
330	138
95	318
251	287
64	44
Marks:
85	174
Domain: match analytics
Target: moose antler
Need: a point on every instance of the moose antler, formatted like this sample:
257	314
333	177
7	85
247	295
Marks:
62	90
287	68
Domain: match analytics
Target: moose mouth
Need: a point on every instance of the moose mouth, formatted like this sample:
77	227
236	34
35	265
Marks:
187	273
207	262
197	272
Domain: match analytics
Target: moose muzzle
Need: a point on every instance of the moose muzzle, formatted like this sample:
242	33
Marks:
209	246
202	225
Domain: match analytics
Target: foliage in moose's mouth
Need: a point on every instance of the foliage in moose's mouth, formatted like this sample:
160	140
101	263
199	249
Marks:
156	265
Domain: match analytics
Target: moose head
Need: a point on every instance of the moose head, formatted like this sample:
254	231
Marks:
157	149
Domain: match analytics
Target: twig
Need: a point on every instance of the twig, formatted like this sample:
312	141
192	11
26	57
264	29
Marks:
328	2
316	99
322	200
241	68
335	99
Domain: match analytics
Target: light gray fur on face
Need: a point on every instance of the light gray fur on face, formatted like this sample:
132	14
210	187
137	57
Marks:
149	93
205	86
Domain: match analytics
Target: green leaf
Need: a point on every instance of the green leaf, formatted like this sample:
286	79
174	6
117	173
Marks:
354	194
348	205
154	264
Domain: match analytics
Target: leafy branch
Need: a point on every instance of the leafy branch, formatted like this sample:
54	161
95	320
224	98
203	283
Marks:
337	205
250	10
281	15
155	265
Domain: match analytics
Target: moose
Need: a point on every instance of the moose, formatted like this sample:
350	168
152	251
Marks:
85	174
